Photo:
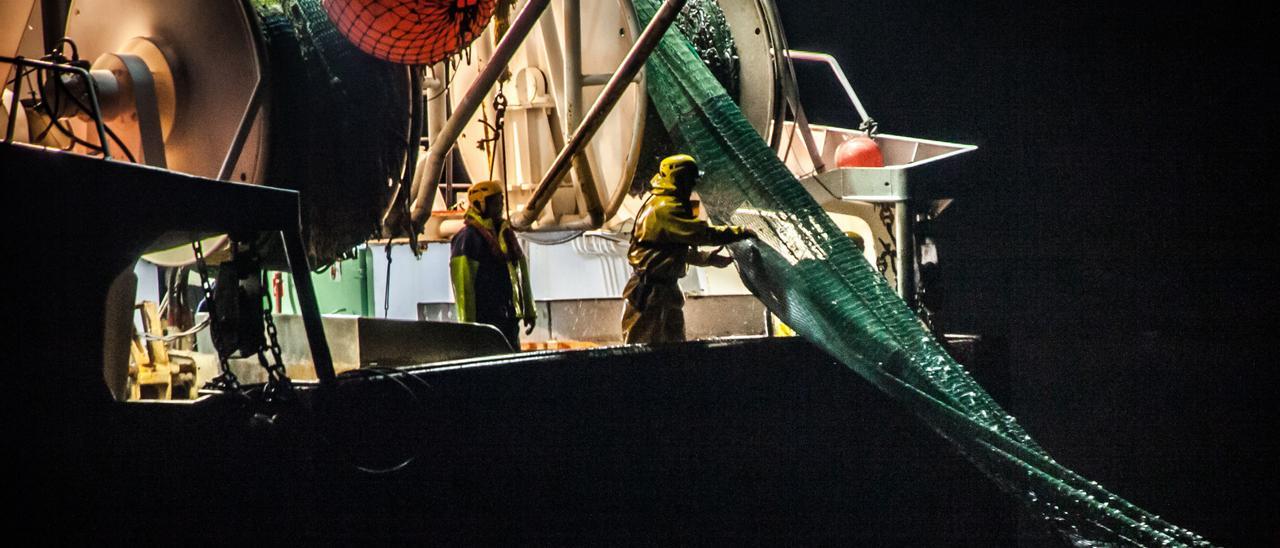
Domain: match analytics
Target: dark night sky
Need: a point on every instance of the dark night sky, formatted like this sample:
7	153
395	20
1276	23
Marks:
1124	150
1115	228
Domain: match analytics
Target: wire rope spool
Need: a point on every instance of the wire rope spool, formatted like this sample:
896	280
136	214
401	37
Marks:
209	50
260	92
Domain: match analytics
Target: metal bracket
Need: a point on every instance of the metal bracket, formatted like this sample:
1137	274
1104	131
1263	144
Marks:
147	107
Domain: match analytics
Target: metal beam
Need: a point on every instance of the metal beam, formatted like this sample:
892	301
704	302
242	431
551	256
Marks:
312	321
572	63
53	16
602	79
904	260
840	75
573	106
572	118
609	97
250	112
428	179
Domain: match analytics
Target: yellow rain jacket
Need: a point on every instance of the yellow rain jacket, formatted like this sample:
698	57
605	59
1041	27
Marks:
663	245
490	276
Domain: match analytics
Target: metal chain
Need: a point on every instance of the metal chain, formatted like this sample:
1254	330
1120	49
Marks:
226	381
921	287
925	315
501	107
386	287
491	143
279	386
869	127
886	260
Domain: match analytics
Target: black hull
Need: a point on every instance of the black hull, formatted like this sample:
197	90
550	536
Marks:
750	440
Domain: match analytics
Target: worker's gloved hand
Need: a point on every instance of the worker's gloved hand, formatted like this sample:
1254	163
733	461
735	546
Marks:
719	261
748	234
529	324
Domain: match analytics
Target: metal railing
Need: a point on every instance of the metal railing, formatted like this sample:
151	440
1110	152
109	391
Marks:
95	108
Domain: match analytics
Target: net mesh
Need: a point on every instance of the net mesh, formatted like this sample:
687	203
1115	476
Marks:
808	273
411	32
338	125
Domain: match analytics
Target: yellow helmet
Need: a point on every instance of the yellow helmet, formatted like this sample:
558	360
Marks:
857	239
676	173
480	192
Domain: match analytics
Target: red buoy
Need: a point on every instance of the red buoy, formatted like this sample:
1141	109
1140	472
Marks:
412	32
860	151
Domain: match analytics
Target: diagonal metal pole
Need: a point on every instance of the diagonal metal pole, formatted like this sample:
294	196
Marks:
428	179
594	118
312	321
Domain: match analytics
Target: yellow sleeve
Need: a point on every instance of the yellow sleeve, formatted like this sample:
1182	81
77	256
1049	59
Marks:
463	273
674	227
526	291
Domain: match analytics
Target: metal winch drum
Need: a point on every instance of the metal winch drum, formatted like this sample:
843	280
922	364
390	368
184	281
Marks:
560	71
249	92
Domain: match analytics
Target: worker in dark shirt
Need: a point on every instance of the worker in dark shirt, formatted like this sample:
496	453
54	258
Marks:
489	271
664	243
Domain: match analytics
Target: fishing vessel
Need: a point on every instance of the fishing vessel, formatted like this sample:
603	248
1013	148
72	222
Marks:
213	145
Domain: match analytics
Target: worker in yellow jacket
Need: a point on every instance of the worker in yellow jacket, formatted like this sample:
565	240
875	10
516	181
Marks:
489	271
664	243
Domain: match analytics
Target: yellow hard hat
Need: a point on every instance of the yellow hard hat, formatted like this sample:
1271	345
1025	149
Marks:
857	239
480	192
676	172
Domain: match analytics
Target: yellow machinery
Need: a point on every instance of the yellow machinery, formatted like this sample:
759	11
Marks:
154	372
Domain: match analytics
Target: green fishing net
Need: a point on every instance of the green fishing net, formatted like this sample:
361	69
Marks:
808	273
338	125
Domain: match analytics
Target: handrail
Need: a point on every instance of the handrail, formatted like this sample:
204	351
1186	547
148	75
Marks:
831	62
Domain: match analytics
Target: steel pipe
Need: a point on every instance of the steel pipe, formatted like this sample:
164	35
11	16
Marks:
609	97
427	180
296	253
904	260
602	79
256	97
573	106
572	63
840	75
17	104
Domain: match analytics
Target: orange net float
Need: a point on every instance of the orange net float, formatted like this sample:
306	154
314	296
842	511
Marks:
411	32
859	151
